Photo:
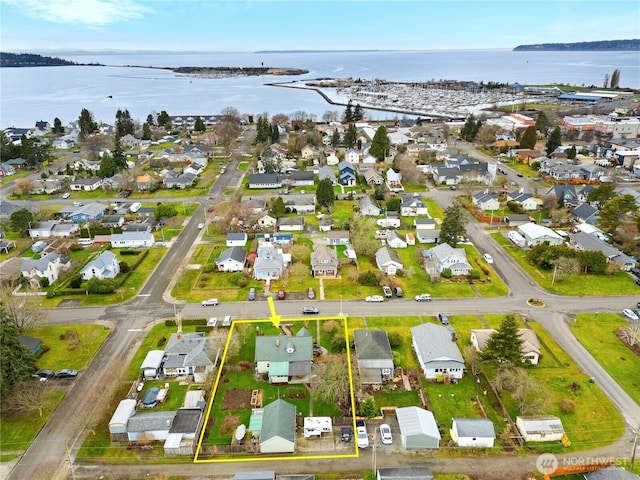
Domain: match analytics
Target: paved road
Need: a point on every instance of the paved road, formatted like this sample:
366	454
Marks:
67	426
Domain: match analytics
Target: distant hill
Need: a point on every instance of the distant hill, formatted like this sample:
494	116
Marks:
30	60
633	44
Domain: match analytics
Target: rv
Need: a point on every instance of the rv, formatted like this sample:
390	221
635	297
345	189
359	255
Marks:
135	207
518	239
316	426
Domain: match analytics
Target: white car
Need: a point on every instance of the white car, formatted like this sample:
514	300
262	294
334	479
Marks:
212	302
385	434
423	297
630	314
200	226
362	436
487	258
66	195
374	298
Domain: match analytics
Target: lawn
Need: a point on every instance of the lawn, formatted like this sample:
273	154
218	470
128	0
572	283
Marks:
575	285
596	332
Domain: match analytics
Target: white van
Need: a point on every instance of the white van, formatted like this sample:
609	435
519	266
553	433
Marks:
85	241
226	321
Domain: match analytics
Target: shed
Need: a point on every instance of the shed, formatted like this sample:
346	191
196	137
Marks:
151	364
118	423
473	432
184	429
262	475
404	473
545	428
418	428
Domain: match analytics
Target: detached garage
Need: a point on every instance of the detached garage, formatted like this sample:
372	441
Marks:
418	428
118	423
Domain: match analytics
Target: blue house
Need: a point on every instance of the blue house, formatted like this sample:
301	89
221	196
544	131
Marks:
346	174
85	213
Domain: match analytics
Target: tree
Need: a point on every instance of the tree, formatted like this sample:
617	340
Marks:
362	233
473	359
279	207
146	131
368	408
554	140
571	153
542	123
300	253
505	345
335	138
57	126
151	119
602	194
605	82
564	267
393	204
7	149
380	144
408	168
124	123
487	134
108	167
33	152
24	187
199	125
350	136
529	137
18	364
86	124
324	193
347	117
358	113
613	210
23	312
454	224
531	396
470	128
333	383
165	210
164	120
20	221
615	79
118	155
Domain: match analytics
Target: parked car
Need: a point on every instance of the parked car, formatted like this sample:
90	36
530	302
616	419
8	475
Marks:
374	298
385	434
311	294
520	175
252	294
78	203
43	374
387	291
423	297
66	373
66	195
346	433
310	310
140	387
281	294
361	433
637	281
630	314
635	271
212	302
487	258
399	292
444	320
200	226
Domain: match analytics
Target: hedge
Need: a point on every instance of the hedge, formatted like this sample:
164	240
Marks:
169	322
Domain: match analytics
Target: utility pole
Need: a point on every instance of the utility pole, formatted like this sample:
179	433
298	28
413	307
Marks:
633	449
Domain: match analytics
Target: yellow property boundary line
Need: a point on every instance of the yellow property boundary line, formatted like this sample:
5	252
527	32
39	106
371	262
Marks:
275	319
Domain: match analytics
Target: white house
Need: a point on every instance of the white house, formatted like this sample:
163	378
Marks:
105	266
132	240
278	431
444	256
368	207
530	345
535	234
52	229
437	352
236	239
486	201
388	261
352	156
473	432
232	259
47	266
394	180
546	428
412	205
395	240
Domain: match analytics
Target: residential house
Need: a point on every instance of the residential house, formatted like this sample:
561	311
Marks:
291	224
367	163
516	219
394	180
485	201
352	156
145	182
106	265
437	352
374	356
583	193
546	428
6	169
48	266
531	351
278	432
232	259
325	225
388	261
299	179
86	184
524	155
589	242
444	256
182	181
266	221
373	177
585	213
332	159
535	234
264	180
129	141
424	223
150	426
368	207
146	225
112	221
338	237
63	143
236	239
120	418
412	205
591	171
404	473
283	358
183	432
418	428
472	432
324	262
300	204
52	229
611	472
188	354
85	213
327	172
132	240
307	152
48	186
565	193
254	205
395	240
526	201
346	174
269	262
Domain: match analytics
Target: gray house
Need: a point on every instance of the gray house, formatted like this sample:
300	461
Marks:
374	356
437	351
232	260
418	428
388	261
281	357
324	262
473	432
368	207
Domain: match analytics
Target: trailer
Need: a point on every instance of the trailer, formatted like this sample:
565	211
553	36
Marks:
316	426
516	238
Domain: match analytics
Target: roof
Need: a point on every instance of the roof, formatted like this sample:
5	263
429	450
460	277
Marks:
404	473
263	178
279	420
533	230
474	427
104	260
150	421
435	345
194	347
232	236
186	420
529	338
153	359
417	421
91	209
611	473
263	475
337	234
238	254
282	348
535	425
121	237
585	211
372	344
386	255
126	408
29	343
41	263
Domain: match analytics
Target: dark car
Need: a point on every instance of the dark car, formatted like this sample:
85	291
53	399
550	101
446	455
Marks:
44	374
346	433
442	317
399	292
637	281
635	271
66	373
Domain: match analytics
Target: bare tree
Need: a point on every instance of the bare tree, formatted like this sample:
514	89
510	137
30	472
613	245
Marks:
31	397
93	144
332	383
408	168
631	333
564	267
280	119
474	360
330	116
23	187
23	312
299	271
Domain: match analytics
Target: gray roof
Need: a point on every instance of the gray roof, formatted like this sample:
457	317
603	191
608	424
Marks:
232	236
584	211
386	255
91	209
41	263
591	242
404	473
292	221
436	347
366	202
149	421
475	427
263	475
194	346
327	172
417	421
186	420
372	344
611	473
104	260
238	254
279	420
274	348
263	178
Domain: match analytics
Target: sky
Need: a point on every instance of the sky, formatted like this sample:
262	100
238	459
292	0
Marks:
41	26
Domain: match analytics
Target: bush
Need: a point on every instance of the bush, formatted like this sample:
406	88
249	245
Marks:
567	405
395	339
368	279
129	252
44	282
95	285
76	281
446	273
474	274
161	342
124	267
368	408
209	268
338	343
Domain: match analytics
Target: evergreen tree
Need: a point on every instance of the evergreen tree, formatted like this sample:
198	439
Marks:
164	120
467	128
108	166
18	363
358	113
350	136
146	131
335	138
274	135
7	149
33	152
380	144
554	140
542	123
505	345
602	193
86	124
529	137
348	113
454	224
118	155
324	194
279	208
151	120
57	126
124	123
571	153
20	220
262	130
199	125
614	209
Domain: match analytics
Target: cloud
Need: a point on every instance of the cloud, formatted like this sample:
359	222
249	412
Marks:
87	12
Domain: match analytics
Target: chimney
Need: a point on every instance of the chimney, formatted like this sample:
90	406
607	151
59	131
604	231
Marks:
278	341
